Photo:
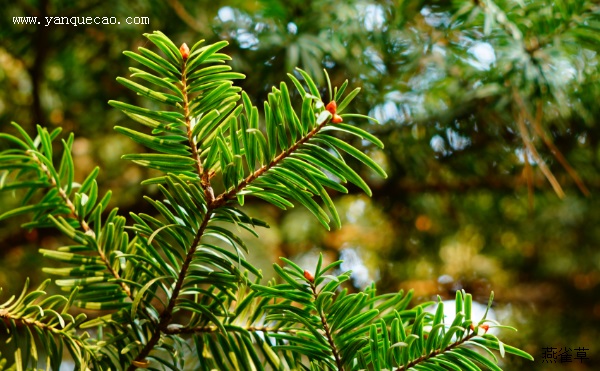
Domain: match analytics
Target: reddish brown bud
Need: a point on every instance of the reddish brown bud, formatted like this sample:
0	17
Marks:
337	119
185	51
331	107
481	329
309	276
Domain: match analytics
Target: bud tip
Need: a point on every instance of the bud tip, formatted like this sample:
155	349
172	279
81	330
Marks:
309	276
185	51
331	107
337	119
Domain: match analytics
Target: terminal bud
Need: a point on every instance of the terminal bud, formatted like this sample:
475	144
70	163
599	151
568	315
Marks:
185	51
331	107
309	276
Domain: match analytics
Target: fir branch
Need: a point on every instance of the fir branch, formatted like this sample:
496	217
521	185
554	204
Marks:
310	316
50	324
63	195
327	331
204	177
226	196
84	225
167	314
7	317
433	354
213	329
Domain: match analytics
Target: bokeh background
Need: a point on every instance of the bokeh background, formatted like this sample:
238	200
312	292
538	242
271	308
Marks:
452	83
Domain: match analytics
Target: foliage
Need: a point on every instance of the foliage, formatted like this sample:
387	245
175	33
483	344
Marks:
168	291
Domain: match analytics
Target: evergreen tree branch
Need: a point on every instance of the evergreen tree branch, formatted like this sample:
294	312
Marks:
167	314
63	195
204	178
84	225
231	194
327	331
431	355
7	317
305	317
211	329
47	318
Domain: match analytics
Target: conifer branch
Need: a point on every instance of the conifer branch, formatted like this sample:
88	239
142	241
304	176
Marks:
327	331
84	225
305	317
204	178
436	352
211	329
167	314
7	317
229	195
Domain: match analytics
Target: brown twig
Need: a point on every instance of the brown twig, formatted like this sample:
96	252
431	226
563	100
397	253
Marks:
186	17
537	125
520	119
555	151
528	171
204	178
167	314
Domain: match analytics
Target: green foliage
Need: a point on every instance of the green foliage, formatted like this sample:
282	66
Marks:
173	289
36	315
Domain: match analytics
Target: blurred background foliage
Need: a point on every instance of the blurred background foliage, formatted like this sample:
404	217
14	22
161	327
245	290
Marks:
488	110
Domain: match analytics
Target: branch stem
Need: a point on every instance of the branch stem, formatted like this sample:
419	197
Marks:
211	329
7	317
435	353
167	314
327	330
228	195
84	225
204	178
521	115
